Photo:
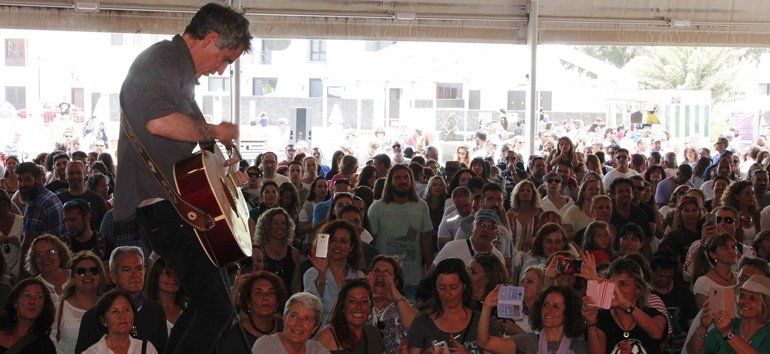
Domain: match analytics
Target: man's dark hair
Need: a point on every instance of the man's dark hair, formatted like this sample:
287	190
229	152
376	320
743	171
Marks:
232	27
663	260
491	187
417	170
637	160
614	185
476	183
383	159
617	151
60	155
481	135
387	192
755	262
28	167
79	155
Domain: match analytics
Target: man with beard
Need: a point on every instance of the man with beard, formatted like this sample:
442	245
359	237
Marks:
401	226
59	182
623	209
537	170
269	168
759	178
76	175
43	214
77	217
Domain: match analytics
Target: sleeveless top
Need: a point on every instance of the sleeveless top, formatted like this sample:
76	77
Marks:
284	268
371	343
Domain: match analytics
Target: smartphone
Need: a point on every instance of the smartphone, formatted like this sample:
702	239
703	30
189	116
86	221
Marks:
569	266
722	299
441	347
322	245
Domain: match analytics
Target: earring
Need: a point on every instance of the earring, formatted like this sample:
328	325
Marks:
249	311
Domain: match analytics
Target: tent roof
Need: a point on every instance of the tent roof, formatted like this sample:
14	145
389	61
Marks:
625	22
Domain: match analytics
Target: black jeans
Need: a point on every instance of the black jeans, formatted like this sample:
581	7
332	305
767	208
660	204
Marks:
209	310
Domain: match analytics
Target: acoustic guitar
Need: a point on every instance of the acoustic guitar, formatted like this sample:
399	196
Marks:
203	181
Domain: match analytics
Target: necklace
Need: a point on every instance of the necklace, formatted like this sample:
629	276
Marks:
254	324
622	325
729	281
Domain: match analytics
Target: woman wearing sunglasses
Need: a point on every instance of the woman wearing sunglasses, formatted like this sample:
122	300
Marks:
81	293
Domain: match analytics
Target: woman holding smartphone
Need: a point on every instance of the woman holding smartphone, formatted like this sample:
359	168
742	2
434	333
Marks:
556	317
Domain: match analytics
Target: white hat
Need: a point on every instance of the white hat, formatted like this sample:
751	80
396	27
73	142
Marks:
757	283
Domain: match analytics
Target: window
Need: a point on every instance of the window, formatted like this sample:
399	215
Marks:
16	96
517	100
15	52
373	46
445	91
263	86
266	54
764	89
334	91
316	88
317	50
217	84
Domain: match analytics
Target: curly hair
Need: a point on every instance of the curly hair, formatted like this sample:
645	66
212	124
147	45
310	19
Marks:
9	319
263	226
730	198
61	249
337	318
545	230
574	325
534	203
387	192
244	292
455	182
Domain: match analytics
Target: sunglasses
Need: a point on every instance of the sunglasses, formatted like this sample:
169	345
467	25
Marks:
488	224
553	180
728	220
81	271
256	175
621	157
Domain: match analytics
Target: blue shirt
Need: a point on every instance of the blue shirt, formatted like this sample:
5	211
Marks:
321	211
331	289
44	215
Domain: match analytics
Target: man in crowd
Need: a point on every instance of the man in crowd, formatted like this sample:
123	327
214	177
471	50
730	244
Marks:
59	182
323	169
621	171
720	146
43	214
537	170
623	209
485	233
291	151
401	226
321	210
80	235
269	169
450	223
759	178
666	187
127	273
76	181
382	164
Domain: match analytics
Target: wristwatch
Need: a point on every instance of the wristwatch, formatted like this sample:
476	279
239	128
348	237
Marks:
630	309
728	336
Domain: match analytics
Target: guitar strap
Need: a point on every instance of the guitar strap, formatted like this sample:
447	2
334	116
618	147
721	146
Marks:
192	215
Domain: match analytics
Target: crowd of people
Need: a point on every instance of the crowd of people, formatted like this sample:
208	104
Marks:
417	252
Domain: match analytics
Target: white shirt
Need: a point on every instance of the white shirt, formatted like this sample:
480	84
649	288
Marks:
449	225
279	179
615	174
708	189
70	327
459	249
134	348
547	205
576	218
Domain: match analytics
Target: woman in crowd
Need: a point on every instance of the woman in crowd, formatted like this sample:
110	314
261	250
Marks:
260	296
740	195
436	196
80	295
338	201
460	179
25	323
47	260
747	333
630	239
319	192
677	194
577	215
342	262
163	286
309	171
275	232
761	245
349	330
348	169
301	318
368	176
251	189
10	233
556	315
100	184
722	255
288	199
565	151
629	323
593	164
450	318
269	195
335	164
699	171
522	216
480	168
550	238
554	200
686	228
462	155
116	313
10	181
654	174
533	282
690	156
598	242
392	313
486	272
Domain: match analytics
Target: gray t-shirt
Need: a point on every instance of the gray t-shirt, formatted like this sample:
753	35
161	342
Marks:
530	343
424	334
272	344
161	81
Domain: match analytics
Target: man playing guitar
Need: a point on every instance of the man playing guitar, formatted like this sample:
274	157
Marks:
157	99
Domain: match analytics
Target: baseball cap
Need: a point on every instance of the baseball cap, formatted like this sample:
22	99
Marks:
489	214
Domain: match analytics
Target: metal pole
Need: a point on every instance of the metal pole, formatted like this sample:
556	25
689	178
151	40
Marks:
533	97
235	86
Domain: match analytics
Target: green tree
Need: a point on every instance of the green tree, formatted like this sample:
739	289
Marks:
615	55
